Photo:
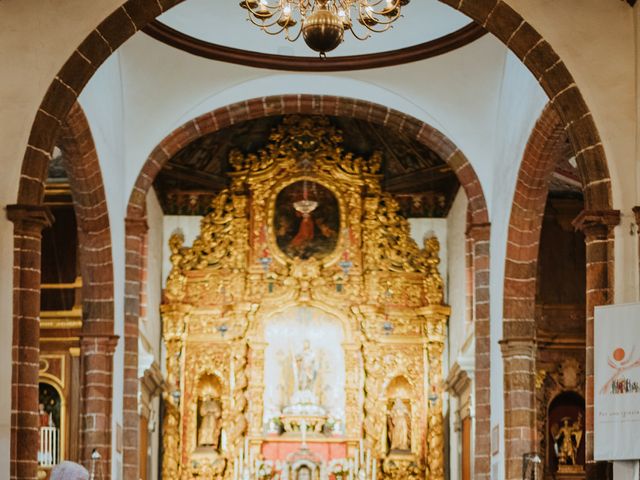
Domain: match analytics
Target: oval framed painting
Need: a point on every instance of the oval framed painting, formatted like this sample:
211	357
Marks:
306	221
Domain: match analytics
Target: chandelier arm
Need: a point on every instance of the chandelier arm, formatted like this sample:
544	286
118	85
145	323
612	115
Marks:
353	32
294	38
373	16
271	8
263	25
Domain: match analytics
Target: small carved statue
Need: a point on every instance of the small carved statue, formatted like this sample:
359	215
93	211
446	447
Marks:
305	368
567	440
399	426
209	431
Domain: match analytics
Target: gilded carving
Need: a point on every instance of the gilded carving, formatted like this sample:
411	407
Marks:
385	292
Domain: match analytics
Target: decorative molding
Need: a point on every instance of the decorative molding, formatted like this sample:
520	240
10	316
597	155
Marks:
212	51
596	218
37	214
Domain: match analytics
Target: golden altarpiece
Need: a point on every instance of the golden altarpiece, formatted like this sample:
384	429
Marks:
304	329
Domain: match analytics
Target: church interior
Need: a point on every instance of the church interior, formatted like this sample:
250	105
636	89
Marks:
313	239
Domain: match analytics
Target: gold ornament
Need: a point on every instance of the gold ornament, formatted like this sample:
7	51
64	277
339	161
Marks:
222	291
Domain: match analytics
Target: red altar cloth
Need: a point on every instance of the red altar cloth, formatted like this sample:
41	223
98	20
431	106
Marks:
281	449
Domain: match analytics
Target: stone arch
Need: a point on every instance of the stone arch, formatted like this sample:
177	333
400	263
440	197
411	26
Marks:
527	210
94	235
477	223
96	266
543	152
495	15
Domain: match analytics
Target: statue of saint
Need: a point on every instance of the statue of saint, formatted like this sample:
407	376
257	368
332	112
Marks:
209	431
399	426
305	368
567	440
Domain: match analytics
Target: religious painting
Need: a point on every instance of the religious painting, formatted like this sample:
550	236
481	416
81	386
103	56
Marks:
306	220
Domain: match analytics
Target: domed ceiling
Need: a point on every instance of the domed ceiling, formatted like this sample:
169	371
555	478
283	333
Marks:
209	27
421	181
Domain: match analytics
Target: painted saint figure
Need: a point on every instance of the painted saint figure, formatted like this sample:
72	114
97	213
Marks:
399	426
209	432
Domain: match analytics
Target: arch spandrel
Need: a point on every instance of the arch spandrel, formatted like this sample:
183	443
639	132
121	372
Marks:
384	291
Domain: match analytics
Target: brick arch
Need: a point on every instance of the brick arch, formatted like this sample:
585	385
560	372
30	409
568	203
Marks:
495	15
96	266
392	120
542	153
544	150
477	222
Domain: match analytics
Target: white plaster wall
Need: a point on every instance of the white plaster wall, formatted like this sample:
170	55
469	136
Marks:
155	243
456	279
105	113
461	104
521	102
455	284
152	327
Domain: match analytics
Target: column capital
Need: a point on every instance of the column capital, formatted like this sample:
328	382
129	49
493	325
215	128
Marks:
97	343
36	215
518	347
478	231
596	222
135	226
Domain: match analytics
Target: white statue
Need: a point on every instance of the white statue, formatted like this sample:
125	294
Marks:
305	369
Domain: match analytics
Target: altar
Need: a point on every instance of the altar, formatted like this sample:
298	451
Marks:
304	328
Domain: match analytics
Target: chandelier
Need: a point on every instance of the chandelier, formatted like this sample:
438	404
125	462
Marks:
322	23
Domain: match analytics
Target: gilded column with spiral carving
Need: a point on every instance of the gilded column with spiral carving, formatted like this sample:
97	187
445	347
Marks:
373	378
173	319
436	333
238	425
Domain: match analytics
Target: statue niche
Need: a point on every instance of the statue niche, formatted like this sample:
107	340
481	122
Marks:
399	416
304	370
566	429
209	413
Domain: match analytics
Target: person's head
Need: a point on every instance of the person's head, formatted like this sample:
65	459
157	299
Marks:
41	406
69	471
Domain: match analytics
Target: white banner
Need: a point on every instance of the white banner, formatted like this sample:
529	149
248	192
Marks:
616	361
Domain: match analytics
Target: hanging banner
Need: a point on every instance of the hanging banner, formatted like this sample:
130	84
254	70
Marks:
616	359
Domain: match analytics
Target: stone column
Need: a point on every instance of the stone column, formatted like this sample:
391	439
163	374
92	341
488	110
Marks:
479	236
436	334
135	235
28	222
97	397
519	356
597	227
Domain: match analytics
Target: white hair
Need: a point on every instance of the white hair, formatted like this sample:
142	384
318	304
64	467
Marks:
69	471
